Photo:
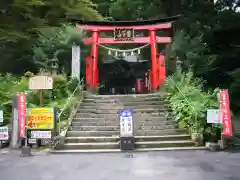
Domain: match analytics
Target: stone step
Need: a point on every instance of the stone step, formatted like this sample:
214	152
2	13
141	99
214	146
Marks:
135	104
164	144
115	122
92	145
77	122
117	110
123	99
94	128
152	127
162	138
113	107
116	145
115	115
158	132
91	115
136	119
124	95
92	139
116	138
152	123
117	127
171	149
96	119
75	133
76	151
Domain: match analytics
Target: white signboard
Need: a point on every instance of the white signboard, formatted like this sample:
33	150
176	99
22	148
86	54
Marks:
4	133
213	116
40	82
126	123
41	134
32	141
76	62
1	116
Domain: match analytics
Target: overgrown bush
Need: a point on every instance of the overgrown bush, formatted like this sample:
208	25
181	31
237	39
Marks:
189	103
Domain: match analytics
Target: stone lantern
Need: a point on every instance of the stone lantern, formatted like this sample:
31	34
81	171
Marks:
53	63
178	66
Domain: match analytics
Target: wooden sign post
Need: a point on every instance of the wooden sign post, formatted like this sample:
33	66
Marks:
41	83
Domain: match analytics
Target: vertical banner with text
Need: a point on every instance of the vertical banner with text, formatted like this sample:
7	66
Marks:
22	114
76	66
226	114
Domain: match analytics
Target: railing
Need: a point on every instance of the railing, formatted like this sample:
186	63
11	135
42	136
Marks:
79	87
190	105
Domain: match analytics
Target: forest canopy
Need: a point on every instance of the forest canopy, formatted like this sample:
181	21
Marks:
206	37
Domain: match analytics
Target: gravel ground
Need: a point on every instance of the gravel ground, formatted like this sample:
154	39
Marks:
167	165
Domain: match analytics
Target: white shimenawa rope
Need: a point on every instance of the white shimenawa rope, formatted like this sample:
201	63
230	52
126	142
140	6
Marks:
123	50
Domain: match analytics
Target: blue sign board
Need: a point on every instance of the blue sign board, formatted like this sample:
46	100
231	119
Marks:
126	113
126	124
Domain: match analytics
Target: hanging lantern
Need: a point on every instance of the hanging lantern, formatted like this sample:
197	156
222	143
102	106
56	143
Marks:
124	53
116	54
132	53
109	52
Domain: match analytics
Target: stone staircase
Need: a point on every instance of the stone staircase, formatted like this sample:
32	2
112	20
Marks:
95	127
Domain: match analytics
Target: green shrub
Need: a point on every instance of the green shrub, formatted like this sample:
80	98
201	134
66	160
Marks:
189	103
60	89
73	83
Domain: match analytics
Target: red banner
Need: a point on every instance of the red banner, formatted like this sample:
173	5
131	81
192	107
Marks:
226	114
22	114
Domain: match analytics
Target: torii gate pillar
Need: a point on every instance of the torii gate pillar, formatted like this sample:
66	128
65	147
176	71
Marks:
154	75
94	54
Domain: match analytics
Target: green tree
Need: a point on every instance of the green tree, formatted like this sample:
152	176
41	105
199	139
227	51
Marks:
21	20
58	41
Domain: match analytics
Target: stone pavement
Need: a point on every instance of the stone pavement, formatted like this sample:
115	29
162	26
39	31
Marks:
168	165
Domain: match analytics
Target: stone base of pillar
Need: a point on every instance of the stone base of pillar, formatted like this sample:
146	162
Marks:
154	90
91	90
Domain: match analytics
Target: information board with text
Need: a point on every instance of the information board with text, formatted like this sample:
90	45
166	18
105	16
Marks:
40	118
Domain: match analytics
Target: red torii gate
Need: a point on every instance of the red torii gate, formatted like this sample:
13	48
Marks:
157	72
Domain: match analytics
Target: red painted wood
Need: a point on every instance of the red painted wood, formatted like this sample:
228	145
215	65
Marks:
153	47
139	40
94	53
162	69
89	71
137	27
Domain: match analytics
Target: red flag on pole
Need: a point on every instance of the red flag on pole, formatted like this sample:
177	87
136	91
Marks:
22	114
226	114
